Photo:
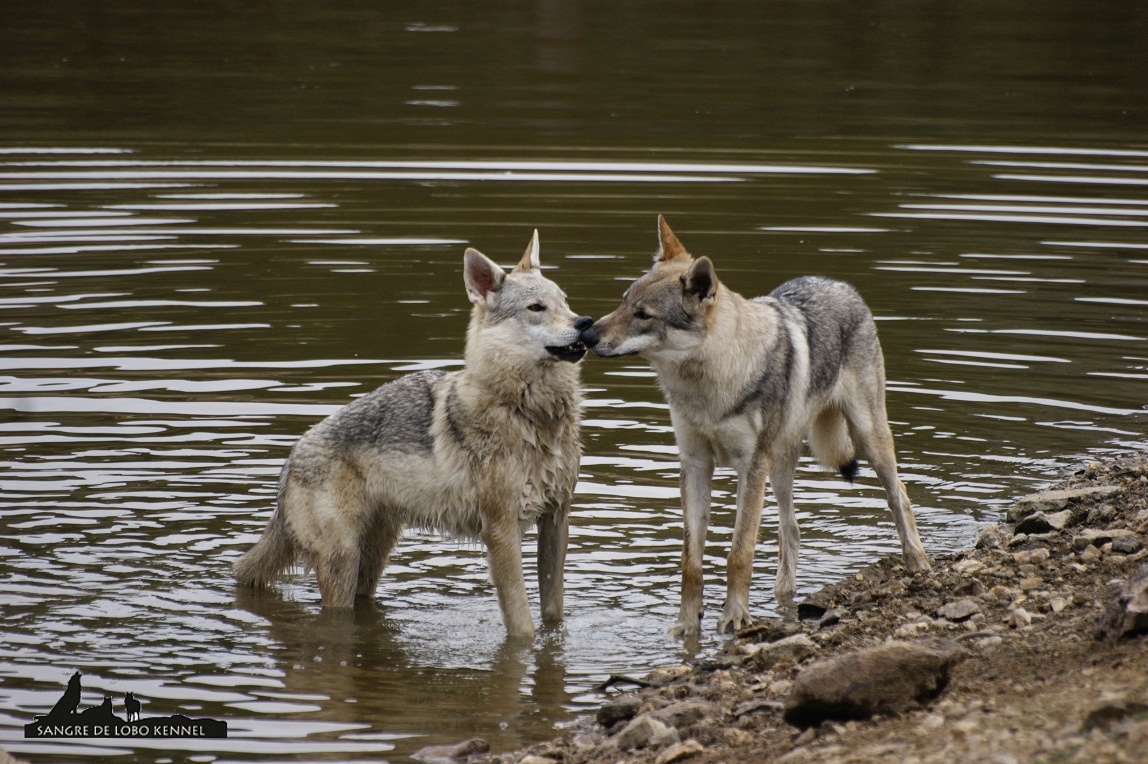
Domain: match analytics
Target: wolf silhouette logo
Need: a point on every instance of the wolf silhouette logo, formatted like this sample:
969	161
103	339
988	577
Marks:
64	721
66	705
132	707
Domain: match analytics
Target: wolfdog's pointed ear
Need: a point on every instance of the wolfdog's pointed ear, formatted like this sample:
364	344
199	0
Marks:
529	259
700	280
481	275
668	245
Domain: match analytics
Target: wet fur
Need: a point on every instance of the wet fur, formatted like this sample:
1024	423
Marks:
747	382
481	454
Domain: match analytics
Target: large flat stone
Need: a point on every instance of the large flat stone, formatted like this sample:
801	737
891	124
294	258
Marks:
1054	501
887	679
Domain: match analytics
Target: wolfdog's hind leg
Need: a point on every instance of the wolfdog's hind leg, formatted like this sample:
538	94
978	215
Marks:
374	551
781	471
875	440
338	573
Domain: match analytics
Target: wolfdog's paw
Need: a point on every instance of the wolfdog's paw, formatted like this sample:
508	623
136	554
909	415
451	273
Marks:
687	628
734	618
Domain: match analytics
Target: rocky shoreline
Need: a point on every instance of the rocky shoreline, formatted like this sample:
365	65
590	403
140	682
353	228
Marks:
1030	647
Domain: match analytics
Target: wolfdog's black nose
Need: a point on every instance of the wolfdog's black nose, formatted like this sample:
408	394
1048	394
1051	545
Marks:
582	323
589	335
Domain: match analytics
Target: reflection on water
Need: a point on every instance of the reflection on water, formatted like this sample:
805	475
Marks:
177	307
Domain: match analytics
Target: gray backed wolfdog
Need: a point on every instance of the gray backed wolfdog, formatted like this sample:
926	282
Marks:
481	453
747	381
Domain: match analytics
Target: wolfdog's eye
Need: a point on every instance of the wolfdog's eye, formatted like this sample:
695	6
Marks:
642	315
536	307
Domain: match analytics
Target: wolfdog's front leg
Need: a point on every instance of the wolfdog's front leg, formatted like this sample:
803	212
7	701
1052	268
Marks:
504	547
739	565
553	534
696	478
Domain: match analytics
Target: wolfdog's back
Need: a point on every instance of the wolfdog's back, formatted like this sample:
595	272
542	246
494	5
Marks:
838	326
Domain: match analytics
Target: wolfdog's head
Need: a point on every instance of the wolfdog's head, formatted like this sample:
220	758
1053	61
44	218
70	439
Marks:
521	313
662	313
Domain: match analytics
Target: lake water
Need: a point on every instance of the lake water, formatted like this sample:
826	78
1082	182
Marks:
220	222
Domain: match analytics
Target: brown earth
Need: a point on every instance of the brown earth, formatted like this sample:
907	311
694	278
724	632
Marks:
1036	683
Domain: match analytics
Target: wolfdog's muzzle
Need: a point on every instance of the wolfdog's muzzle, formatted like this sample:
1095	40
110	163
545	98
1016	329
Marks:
576	349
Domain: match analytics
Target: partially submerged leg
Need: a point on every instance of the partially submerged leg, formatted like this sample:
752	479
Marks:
332	539
375	551
874	439
696	478
553	536
503	541
781	470
338	572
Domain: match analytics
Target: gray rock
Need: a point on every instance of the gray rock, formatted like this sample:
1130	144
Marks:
751	706
961	610
666	674
1094	537
832	617
813	607
663	738
621	710
1031	556
679	751
792	649
991	537
1019	618
970	588
1101	514
1127	612
1126	544
1059	520
1054	501
1041	522
1037	522
449	754
768	630
683	713
887	679
639	733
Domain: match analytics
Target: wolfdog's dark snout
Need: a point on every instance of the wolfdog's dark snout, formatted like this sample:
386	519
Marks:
589	331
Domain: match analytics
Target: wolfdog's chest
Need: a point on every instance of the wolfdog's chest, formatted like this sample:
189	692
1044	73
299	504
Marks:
545	469
731	440
517	455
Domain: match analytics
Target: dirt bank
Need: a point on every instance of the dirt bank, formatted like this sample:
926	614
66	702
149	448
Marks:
1032	682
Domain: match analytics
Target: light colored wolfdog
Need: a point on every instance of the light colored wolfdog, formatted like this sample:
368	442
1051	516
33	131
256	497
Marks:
481	453
747	381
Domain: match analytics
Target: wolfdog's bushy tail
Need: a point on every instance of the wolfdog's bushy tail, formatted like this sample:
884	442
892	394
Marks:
831	444
273	554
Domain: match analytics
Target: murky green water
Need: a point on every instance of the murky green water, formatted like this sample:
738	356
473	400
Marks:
218	223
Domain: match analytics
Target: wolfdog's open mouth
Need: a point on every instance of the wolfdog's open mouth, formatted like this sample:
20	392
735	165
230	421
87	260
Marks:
572	352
